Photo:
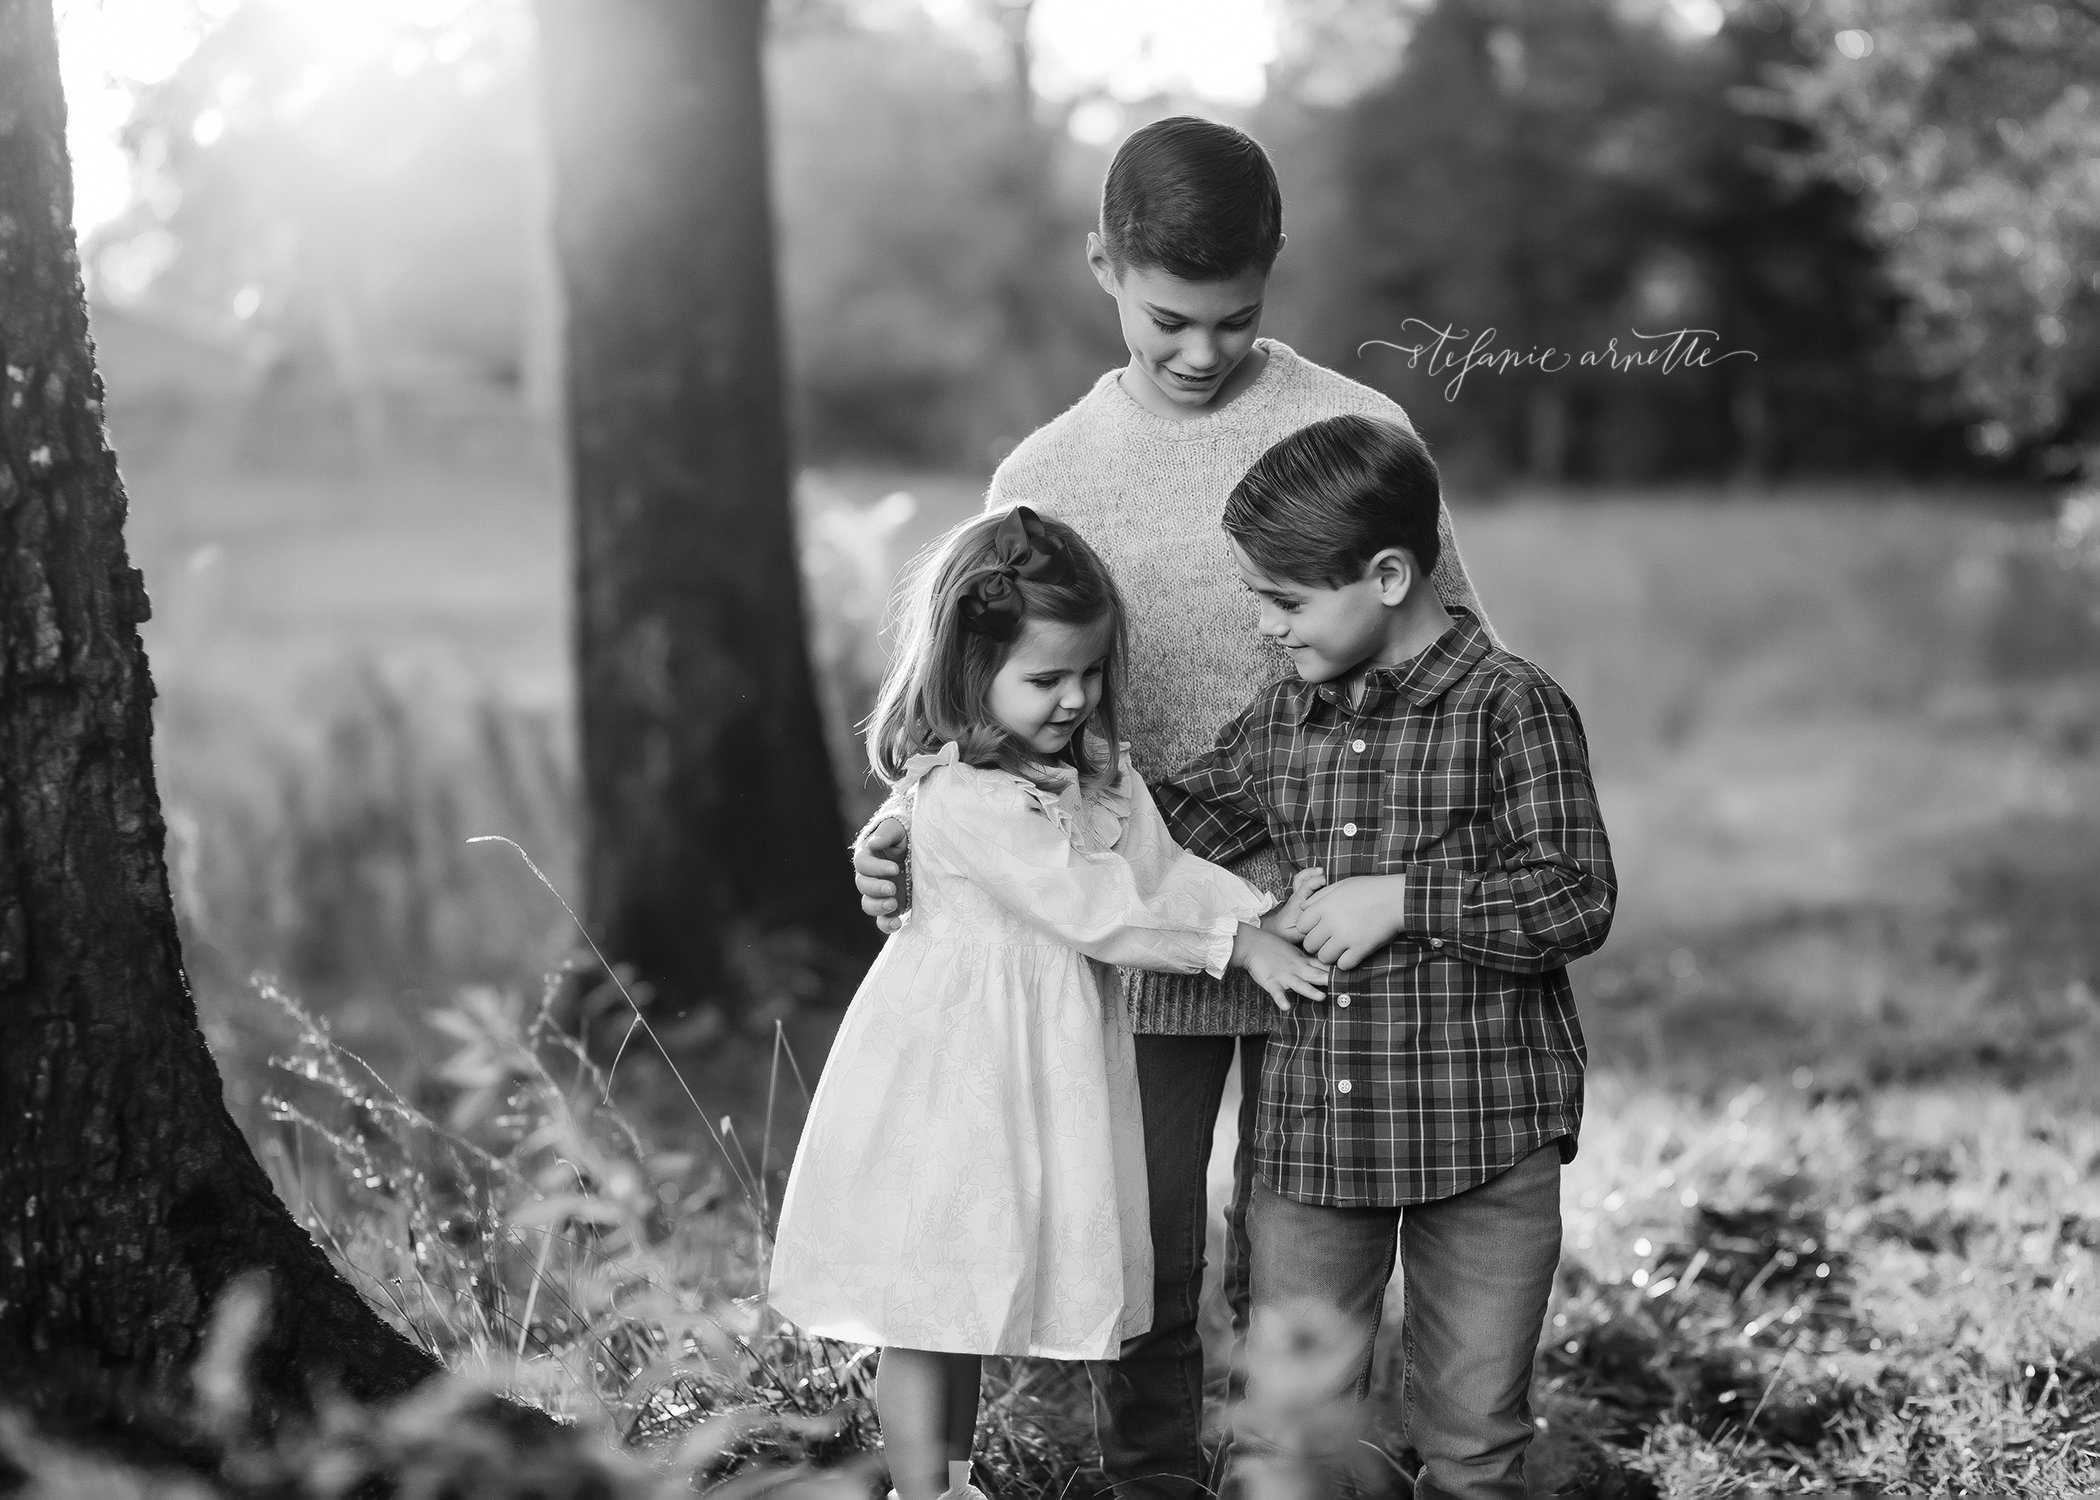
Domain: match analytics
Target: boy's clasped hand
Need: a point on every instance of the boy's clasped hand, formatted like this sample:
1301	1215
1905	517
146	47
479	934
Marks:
1345	922
1340	923
1324	926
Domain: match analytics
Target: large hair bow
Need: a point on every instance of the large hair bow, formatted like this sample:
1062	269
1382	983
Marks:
1022	548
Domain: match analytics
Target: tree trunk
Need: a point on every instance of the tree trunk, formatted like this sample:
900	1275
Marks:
128	1199
713	827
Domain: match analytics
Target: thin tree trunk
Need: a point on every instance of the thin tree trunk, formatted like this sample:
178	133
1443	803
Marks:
128	1199
713	825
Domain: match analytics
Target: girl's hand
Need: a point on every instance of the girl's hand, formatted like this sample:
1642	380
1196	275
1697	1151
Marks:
1277	965
1288	920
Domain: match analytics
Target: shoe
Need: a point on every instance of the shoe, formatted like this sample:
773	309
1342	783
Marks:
959	1486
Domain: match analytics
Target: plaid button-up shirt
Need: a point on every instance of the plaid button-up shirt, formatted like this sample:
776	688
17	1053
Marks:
1454	1051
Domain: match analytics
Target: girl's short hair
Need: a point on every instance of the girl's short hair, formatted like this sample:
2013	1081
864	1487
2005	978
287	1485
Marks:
1321	503
939	686
1194	198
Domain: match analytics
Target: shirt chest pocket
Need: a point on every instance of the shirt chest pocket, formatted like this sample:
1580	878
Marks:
1436	820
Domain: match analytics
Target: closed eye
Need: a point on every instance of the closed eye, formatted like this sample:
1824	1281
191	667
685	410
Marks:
1283	602
1231	325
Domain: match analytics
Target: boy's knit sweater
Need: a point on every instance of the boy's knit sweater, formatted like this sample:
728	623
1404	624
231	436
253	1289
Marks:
1148	492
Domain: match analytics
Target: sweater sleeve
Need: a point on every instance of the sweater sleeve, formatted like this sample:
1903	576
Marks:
1448	577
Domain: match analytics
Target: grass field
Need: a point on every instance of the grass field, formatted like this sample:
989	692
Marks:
1835	1217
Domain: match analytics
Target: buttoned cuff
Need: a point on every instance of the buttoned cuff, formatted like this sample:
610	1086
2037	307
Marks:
1429	905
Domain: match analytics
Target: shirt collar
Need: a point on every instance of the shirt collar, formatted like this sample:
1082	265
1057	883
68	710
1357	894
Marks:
1419	681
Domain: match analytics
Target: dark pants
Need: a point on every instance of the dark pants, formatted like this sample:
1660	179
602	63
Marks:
1148	1403
1477	1269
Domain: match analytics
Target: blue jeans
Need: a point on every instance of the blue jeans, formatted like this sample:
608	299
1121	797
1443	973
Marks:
1148	1402
1477	1269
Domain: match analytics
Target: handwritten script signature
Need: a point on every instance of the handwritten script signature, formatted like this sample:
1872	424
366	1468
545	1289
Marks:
1446	351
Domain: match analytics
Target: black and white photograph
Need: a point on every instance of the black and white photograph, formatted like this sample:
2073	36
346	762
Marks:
1049	749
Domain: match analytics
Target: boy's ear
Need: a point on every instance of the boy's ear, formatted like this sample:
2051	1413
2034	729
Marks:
1393	571
1097	261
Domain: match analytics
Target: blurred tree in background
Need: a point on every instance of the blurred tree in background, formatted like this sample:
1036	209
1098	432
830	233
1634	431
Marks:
933	233
363	206
1565	172
1972	129
356	200
1889	202
712	835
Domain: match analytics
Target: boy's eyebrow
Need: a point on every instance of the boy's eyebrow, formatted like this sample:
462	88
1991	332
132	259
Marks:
1168	312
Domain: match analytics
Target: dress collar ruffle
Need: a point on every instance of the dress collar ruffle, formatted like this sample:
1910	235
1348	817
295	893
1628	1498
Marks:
1092	819
917	766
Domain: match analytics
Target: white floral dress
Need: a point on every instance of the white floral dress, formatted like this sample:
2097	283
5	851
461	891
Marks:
971	1178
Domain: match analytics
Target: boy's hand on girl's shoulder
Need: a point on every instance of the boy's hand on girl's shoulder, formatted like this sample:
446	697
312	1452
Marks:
1348	921
1277	965
875	870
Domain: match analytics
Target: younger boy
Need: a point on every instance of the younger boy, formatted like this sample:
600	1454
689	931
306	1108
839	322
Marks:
1443	786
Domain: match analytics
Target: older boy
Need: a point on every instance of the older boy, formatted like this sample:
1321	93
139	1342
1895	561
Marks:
1443	786
1191	222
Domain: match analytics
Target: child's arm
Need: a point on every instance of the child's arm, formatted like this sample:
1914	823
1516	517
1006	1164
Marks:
1210	803
1550	902
1185	920
1269	951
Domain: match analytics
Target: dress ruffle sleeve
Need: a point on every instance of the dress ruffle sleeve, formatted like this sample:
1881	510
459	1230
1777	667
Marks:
1143	903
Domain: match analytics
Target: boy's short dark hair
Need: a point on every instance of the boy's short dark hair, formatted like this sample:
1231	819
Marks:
1320	504
1193	198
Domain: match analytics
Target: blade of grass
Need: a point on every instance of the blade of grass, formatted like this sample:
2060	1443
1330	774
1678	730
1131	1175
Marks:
532	1293
620	984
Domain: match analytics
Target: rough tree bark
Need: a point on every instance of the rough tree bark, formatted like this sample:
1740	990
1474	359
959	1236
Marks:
128	1198
712	821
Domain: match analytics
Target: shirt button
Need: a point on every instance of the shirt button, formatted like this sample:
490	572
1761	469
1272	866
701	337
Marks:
1357	746
1436	942
1342	1001
1349	830
1343	1086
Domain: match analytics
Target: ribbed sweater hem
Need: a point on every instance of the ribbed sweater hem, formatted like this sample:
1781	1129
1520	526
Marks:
1196	1004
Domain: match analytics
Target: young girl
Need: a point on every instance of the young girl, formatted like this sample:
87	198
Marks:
971	1178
